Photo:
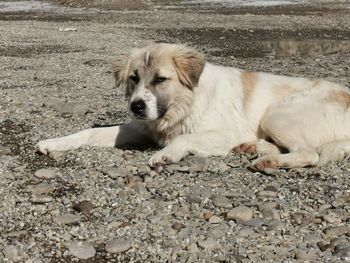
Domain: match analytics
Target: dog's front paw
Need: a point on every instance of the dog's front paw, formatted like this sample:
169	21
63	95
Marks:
163	157
47	146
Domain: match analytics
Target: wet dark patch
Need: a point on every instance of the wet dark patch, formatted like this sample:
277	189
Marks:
231	9
261	43
33	50
16	135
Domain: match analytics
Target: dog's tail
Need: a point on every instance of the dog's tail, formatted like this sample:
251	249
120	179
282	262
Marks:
333	151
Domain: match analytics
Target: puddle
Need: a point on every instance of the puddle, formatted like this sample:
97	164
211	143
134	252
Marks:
222	42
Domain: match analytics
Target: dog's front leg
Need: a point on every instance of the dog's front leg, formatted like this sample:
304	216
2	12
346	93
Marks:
214	143
130	133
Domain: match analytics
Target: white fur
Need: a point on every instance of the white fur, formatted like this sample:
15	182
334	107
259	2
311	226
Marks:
310	119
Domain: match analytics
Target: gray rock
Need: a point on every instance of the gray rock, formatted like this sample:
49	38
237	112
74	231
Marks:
332	218
343	253
66	219
209	244
70	107
221	201
271	188
267	194
11	252
42	199
240	213
5	150
43	188
271	214
46	173
16	233
82	249
118	245
333	232
255	222
215	219
310	255
114	172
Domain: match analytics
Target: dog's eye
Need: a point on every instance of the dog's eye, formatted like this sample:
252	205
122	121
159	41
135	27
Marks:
158	80
134	78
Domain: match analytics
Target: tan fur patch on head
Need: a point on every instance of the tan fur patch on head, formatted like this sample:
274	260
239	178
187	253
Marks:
189	65
339	97
249	80
120	67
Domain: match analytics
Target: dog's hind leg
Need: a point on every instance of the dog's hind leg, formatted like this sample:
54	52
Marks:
333	151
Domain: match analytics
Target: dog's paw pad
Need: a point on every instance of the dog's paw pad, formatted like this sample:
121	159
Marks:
245	148
262	165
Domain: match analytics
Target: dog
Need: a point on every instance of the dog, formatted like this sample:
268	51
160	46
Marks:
186	105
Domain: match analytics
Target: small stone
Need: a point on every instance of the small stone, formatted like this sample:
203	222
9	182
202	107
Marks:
114	172
268	205
46	173
16	233
5	150
177	226
215	220
267	194
84	207
240	213
11	252
221	201
66	219
271	214
43	188
332	218
82	249
255	222
70	108
310	255
343	253
271	188
133	180
41	199
193	248
209	244
333	232
119	245
207	215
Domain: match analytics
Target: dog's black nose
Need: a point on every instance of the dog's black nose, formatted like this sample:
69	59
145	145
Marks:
138	107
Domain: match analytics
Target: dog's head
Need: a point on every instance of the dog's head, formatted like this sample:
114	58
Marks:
158	80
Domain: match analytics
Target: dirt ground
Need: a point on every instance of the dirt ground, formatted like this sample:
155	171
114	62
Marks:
53	57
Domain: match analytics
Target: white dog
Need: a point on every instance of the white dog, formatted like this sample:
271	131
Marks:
189	106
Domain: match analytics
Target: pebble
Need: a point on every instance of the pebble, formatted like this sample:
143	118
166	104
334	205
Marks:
221	201
333	232
41	199
118	245
66	219
70	107
255	222
240	213
271	188
343	253
84	207
271	214
209	244
82	249
114	172
301	254
11	252
215	219
177	226
207	215
5	150
267	194
46	173
43	188
332	218
16	233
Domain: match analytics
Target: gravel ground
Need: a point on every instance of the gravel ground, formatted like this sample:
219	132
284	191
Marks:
106	205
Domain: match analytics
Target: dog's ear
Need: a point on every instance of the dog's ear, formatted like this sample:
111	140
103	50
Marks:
189	65
120	67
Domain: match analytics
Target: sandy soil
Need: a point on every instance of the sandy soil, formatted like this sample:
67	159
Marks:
54	55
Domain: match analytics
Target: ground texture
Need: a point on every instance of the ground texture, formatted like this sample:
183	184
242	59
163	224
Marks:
106	205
